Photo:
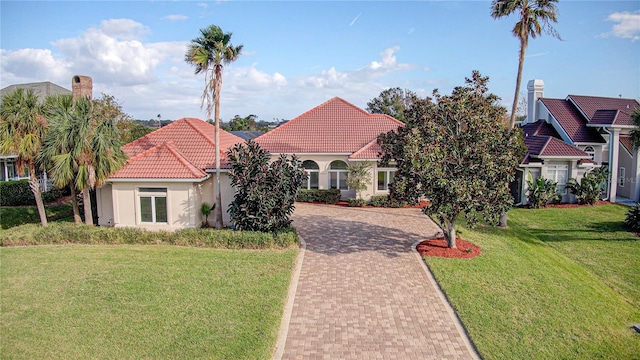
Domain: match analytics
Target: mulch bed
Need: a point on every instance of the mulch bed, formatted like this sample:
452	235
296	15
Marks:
438	248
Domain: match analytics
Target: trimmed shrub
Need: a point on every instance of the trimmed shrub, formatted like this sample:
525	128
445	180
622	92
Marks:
328	196
542	192
589	189
18	193
632	219
354	202
68	233
386	201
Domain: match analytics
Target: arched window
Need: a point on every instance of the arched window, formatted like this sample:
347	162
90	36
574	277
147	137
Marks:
338	175
589	150
313	170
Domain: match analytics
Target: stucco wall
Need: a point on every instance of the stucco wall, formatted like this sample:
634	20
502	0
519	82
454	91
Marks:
627	162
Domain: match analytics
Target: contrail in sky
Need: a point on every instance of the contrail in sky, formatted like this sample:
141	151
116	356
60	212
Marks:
355	19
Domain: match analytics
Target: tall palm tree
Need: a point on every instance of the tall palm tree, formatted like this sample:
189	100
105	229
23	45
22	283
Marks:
22	130
207	53
534	17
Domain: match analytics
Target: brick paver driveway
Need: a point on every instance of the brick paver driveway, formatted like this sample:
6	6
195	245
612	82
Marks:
362	293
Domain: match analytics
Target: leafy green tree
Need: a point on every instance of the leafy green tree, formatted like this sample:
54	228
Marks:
22	130
243	123
394	102
534	17
635	133
359	177
131	130
207	53
458	155
265	192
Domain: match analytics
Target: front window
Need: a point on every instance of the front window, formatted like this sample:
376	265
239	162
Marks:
385	177
153	205
592	153
622	176
338	175
559	174
313	170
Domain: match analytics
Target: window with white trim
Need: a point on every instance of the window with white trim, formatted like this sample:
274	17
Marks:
153	205
559	174
338	175
622	176
385	177
313	172
592	153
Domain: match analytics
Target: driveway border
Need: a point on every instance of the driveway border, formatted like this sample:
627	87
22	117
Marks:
452	313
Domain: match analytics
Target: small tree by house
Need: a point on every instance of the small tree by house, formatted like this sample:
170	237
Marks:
541	192
458	155
265	192
205	210
357	179
589	189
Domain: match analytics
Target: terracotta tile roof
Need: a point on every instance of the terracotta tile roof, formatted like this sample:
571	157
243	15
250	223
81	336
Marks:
627	142
162	161
335	126
369	151
192	138
573	123
604	110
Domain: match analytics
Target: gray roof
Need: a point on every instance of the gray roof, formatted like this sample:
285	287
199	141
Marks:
42	89
247	134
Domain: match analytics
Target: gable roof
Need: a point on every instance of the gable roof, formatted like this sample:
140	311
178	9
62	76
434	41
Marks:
627	143
603	111
183	149
543	141
572	121
335	126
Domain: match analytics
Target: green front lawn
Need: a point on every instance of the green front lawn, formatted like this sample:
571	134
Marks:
14	216
559	283
141	302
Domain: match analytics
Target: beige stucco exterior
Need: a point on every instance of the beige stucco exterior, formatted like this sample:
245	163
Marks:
119	202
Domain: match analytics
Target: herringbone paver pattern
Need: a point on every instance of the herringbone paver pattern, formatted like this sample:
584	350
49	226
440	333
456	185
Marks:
362	292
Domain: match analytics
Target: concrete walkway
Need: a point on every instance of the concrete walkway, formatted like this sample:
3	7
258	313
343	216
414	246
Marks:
362	292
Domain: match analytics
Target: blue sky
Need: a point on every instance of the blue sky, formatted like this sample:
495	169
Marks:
298	54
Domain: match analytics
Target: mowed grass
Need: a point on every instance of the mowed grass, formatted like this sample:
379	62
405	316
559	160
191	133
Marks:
135	302
14	216
558	284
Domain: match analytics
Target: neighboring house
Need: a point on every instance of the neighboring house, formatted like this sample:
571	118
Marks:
567	137
247	134
169	174
330	137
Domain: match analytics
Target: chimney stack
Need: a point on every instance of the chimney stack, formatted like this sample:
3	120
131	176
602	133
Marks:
535	90
81	86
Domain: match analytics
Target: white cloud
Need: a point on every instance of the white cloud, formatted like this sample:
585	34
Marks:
122	29
27	65
175	17
627	25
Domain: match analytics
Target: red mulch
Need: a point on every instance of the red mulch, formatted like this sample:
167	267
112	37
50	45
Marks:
438	248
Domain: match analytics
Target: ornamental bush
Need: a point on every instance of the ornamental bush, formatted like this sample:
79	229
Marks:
18	193
542	192
265	192
327	196
588	190
355	202
632	220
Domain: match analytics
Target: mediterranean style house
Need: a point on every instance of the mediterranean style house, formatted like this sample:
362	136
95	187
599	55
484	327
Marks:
170	172
568	137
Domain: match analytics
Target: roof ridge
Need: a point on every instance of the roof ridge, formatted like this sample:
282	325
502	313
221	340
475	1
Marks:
295	119
170	146
603	97
155	132
205	136
362	149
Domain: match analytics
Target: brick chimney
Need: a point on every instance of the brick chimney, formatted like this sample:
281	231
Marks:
535	90
81	86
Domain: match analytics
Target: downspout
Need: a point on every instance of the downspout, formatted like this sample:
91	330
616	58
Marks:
609	165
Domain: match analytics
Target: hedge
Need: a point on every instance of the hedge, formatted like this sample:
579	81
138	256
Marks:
330	196
18	193
69	233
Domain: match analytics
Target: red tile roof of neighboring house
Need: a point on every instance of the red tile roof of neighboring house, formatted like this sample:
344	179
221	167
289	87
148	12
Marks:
162	161
183	149
604	110
335	126
572	121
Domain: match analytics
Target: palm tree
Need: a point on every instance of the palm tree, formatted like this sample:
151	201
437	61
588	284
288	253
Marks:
534	16
207	53
22	130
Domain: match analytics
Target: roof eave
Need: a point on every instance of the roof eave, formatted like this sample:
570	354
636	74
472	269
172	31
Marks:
158	180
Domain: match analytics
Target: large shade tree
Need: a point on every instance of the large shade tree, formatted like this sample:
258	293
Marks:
534	17
22	130
456	153
208	53
394	102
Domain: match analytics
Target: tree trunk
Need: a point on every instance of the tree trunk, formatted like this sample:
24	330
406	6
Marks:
74	201
514	107
86	199
451	236
216	98
34	184
503	221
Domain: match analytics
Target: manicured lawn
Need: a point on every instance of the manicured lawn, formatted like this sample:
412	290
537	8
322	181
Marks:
120	302
14	216
558	284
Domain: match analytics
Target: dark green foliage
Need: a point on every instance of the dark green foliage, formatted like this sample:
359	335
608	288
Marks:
394	102
590	187
542	192
353	202
265	192
16	216
635	132
386	201
455	152
18	193
632	219
68	233
327	196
